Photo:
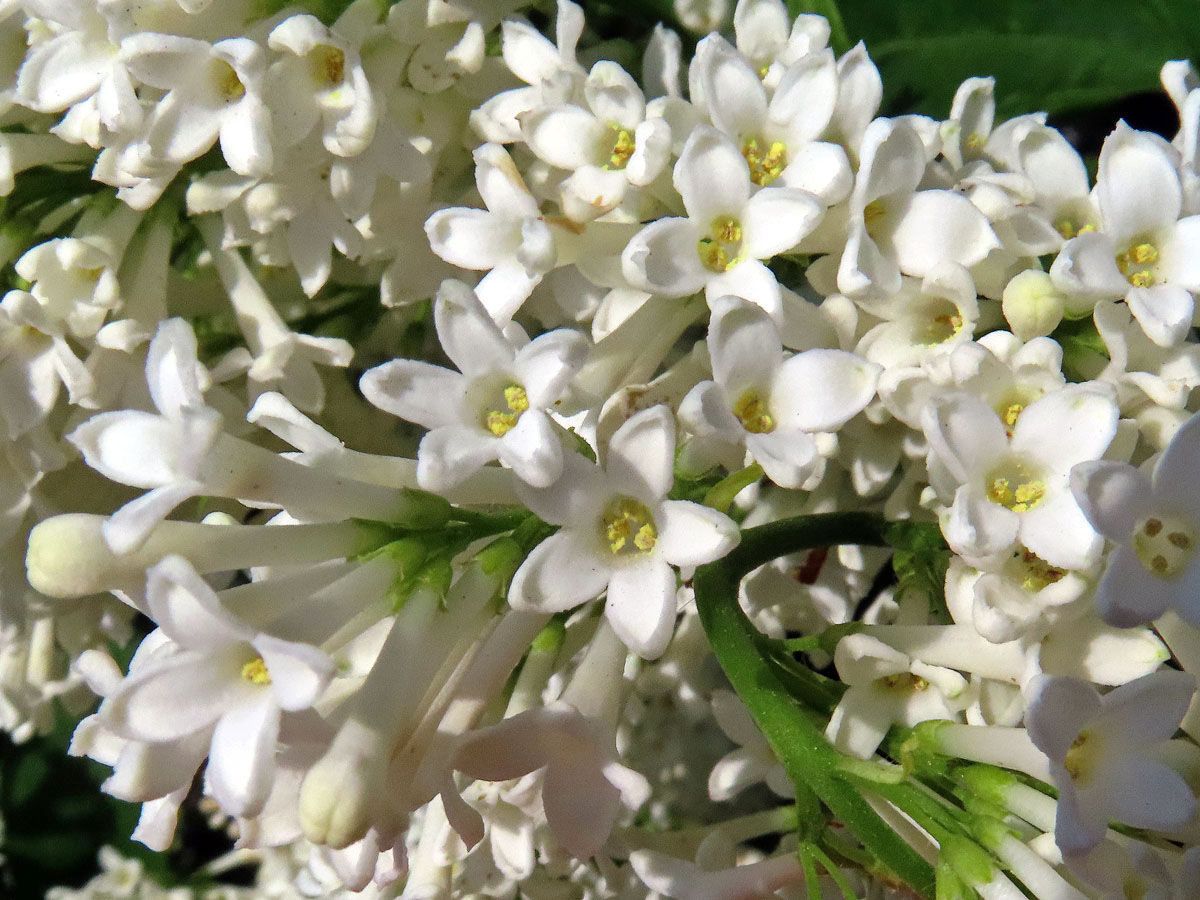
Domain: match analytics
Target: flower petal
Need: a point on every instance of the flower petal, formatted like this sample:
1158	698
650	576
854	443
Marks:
820	390
241	762
560	573
641	605
690	534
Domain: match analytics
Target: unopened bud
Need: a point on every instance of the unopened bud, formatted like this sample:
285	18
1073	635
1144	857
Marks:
1032	305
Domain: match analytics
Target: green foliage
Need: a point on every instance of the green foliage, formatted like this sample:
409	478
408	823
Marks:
1055	57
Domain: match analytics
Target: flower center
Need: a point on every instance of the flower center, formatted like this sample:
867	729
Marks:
327	65
904	683
1082	758
1164	545
622	147
1137	264
1038	574
256	672
1069	228
1014	488
873	214
628	527
721	249
502	418
766	162
227	82
754	414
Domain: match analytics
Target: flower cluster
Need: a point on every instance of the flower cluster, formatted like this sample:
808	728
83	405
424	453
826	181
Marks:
424	383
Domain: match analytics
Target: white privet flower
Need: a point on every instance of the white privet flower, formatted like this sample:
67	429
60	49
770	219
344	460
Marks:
609	146
509	240
998	490
895	228
182	451
1142	251
497	408
549	70
887	687
1105	754
319	81
216	673
729	230
779	132
621	535
1155	524
767	404
212	91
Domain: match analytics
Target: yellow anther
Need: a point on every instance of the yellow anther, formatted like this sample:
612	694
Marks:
1068	229
872	214
622	148
1081	759
1164	545
1039	574
754	414
905	682
1013	489
1137	264
943	327
501	421
764	167
975	140
328	65
721	249
256	672
229	85
1012	412
628	527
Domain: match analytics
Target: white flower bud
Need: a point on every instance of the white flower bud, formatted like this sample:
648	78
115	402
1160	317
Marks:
1032	305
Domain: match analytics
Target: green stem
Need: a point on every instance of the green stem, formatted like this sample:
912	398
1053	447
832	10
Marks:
722	493
798	742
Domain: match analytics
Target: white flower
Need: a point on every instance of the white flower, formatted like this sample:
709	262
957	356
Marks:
321	80
753	760
897	229
887	687
622	535
999	491
583	785
770	404
1156	527
213	90
607	147
216	673
1103	753
509	238
778	133
496	409
727	232
1143	251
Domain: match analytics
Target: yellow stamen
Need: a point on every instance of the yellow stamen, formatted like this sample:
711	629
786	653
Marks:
1039	574
628	527
764	167
721	249
754	414
1164	545
229	85
256	672
1137	264
905	682
622	148
1013	489
501	421
328	65
1081	758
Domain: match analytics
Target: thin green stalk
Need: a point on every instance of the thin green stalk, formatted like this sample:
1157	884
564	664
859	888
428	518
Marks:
798	742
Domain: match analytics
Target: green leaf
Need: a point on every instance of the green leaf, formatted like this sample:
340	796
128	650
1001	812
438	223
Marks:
1052	57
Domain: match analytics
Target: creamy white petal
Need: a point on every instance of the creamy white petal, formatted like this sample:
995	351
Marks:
449	455
468	334
820	390
641	454
299	672
1113	496
1164	312
690	534
932	227
777	219
560	573
1137	188
712	177
664	258
415	391
641	605
241	762
532	449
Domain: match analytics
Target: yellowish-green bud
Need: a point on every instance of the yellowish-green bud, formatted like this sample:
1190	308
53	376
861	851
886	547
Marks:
1032	305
